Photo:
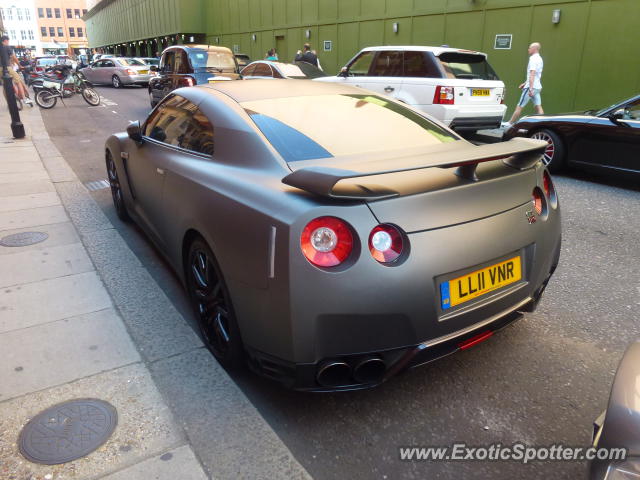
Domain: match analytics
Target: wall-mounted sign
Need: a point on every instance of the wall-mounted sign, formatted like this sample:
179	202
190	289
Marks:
503	42
328	45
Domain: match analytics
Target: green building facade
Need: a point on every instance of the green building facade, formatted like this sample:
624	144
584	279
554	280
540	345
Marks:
590	47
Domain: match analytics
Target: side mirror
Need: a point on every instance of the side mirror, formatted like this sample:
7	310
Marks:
134	131
618	115
153	68
344	72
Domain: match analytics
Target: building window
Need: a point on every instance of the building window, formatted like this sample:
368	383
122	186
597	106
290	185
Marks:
27	14
72	32
43	31
49	14
52	32
30	32
2	13
57	12
60	32
19	13
77	12
9	13
23	34
69	13
80	32
84	11
41	12
12	34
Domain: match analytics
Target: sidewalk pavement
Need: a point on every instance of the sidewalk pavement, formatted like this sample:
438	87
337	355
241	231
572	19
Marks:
80	317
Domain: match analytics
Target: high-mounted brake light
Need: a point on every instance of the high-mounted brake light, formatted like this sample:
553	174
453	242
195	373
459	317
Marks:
444	95
385	243
326	241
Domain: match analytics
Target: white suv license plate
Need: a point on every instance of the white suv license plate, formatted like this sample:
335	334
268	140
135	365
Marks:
480	92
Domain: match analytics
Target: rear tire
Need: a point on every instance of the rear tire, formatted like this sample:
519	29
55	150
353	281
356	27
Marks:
115	81
45	99
91	97
212	306
553	156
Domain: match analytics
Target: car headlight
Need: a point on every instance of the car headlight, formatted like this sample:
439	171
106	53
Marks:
629	470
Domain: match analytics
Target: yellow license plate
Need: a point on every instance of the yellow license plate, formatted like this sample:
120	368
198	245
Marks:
474	284
143	72
480	92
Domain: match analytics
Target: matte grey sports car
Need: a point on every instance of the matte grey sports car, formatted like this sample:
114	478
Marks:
331	237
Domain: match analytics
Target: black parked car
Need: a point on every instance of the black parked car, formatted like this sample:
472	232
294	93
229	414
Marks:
189	65
602	139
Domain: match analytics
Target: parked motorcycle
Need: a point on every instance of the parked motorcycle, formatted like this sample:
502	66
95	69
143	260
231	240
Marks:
72	83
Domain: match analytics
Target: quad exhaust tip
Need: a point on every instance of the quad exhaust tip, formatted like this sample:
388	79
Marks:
334	374
369	370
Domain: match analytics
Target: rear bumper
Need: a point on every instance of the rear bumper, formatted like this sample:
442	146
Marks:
475	123
135	79
467	116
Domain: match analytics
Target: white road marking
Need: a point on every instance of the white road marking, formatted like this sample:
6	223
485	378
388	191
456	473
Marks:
108	102
114	112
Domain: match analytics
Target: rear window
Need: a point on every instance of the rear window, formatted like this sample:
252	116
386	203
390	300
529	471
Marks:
304	128
46	61
130	61
214	60
467	66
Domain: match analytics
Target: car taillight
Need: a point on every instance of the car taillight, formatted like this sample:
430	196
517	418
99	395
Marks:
444	95
187	81
326	241
131	71
538	201
549	189
385	243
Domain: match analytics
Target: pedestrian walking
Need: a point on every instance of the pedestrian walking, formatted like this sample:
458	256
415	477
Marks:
272	55
307	55
14	66
532	85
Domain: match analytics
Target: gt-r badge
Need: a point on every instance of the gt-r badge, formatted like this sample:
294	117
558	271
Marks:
531	217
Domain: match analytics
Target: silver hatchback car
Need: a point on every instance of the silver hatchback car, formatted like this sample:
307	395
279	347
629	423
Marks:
118	71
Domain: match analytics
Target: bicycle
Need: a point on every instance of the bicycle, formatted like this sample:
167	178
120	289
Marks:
72	83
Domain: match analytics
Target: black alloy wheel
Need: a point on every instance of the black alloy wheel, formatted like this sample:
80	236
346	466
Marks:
116	190
212	306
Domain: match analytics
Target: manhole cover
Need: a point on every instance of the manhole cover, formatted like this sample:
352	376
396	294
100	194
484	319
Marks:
23	239
67	431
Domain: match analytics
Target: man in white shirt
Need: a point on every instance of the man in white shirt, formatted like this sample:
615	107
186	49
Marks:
532	85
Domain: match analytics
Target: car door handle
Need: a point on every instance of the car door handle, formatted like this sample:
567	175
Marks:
389	89
160	171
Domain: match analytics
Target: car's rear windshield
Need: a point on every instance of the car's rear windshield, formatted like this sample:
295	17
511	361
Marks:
46	61
467	66
131	61
215	60
325	126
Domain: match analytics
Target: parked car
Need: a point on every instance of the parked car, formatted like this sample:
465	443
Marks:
458	87
66	60
189	65
40	65
243	60
619	425
322	231
607	139
118	71
270	69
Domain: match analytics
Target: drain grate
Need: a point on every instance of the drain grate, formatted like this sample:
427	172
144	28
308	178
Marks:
23	239
97	185
67	431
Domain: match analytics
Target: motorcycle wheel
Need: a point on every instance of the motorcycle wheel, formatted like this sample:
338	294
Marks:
46	99
91	97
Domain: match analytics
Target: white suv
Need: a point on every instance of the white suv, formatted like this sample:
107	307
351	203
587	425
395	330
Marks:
457	87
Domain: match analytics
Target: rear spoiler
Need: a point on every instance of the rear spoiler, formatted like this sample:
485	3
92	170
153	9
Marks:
519	153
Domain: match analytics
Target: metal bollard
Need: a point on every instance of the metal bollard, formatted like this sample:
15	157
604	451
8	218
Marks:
17	128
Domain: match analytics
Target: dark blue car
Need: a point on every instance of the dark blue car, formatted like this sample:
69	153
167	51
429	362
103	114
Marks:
189	65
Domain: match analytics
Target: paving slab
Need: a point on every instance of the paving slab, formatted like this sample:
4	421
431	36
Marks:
43	264
145	426
24	188
179	463
42	356
226	432
20	167
26	153
33	218
58	234
22	177
32	200
156	326
56	299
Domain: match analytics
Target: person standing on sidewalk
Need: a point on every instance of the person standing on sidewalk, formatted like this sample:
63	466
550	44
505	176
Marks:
532	85
13	68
